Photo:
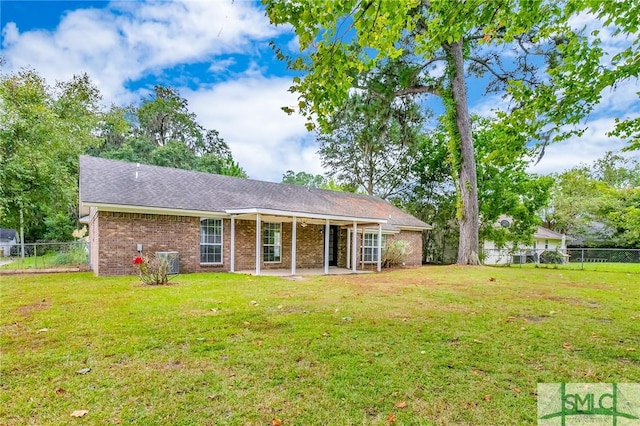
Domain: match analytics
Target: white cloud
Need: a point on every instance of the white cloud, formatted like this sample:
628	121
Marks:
222	65
126	41
294	45
263	139
583	150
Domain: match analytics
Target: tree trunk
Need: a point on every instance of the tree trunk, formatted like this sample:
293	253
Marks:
467	178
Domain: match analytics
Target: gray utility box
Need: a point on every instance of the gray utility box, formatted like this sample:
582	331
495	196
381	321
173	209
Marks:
173	258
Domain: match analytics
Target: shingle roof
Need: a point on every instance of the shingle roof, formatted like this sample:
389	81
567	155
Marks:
8	234
547	233
114	182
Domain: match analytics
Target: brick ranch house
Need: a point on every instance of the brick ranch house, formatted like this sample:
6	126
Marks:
223	223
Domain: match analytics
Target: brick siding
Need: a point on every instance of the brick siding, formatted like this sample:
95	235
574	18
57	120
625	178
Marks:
114	238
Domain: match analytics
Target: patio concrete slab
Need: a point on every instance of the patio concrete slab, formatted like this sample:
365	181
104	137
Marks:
302	272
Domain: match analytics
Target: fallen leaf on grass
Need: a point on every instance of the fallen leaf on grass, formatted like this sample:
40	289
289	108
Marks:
401	404
83	370
326	334
567	346
487	398
391	418
276	422
79	413
60	391
492	279
477	341
42	330
517	390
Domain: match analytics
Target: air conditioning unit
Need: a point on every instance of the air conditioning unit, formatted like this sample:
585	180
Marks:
173	258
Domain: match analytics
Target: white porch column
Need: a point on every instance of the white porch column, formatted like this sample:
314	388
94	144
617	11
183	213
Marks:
258	243
354	252
326	247
348	248
233	244
293	244
379	247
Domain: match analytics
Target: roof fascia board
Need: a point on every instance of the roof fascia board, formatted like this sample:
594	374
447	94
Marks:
155	210
304	215
414	228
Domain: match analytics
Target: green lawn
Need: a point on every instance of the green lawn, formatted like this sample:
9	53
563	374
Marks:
435	345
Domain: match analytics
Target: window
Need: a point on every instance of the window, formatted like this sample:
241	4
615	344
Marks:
272	242
211	241
370	247
546	244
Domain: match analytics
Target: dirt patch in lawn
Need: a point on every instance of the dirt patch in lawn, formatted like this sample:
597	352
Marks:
383	283
27	310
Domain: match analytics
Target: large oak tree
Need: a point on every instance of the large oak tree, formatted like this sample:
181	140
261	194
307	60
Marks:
522	50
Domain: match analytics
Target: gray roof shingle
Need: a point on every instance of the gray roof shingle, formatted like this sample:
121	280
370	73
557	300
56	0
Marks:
105	181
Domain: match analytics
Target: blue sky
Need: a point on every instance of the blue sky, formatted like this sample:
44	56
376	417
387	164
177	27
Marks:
217	54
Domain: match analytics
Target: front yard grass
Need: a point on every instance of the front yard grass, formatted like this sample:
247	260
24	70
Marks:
434	345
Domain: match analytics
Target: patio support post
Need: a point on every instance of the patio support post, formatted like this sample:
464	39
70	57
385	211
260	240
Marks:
354	252
294	227
348	248
258	239
379	247
232	261
326	247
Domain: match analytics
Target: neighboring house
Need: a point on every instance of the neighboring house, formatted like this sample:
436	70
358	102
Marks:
544	240
8	239
223	223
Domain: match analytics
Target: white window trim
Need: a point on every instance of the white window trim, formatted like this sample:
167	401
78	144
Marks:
375	248
213	244
272	245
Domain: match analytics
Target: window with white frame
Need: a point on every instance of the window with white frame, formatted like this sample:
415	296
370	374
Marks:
370	246
546	244
211	241
272	242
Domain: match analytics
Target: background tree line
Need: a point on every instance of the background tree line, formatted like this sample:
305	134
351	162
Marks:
44	129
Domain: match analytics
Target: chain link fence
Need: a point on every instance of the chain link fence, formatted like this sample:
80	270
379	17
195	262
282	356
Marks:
69	256
594	259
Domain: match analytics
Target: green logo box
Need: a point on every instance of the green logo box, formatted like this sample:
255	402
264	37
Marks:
588	404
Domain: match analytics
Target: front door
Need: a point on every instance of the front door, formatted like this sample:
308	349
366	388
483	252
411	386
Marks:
333	245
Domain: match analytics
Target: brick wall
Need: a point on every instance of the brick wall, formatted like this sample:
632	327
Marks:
414	238
114	238
119	234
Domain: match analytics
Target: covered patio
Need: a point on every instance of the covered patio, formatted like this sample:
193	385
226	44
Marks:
297	220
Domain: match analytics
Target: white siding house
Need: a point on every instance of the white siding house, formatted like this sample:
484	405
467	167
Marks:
543	240
8	239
